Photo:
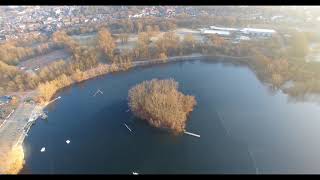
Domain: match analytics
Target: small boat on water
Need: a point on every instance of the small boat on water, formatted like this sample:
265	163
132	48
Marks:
135	173
43	149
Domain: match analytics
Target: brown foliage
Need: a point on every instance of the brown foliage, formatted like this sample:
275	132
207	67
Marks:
161	104
11	54
62	38
169	43
106	42
12	79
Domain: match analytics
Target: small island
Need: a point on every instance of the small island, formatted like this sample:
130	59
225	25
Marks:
161	104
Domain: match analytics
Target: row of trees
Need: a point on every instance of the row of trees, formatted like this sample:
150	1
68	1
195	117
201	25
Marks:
12	79
83	65
12	54
47	89
270	59
142	25
170	44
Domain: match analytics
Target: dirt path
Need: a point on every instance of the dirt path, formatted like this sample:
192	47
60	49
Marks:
12	130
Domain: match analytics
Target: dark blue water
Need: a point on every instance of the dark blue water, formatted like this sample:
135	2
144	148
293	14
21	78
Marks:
244	127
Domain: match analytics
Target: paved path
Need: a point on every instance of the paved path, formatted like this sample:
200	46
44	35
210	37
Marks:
12	128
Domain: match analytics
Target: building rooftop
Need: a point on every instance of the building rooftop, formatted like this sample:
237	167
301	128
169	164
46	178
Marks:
223	28
246	30
210	31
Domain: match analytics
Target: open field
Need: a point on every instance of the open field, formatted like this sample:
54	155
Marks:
43	60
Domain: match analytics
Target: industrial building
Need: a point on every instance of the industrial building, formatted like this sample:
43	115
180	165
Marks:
217	32
253	32
246	32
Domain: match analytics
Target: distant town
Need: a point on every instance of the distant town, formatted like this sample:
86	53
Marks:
21	21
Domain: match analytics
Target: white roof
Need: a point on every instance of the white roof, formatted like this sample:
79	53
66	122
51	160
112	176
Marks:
224	28
208	31
244	38
246	30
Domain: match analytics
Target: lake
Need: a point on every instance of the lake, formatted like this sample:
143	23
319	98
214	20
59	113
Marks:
244	127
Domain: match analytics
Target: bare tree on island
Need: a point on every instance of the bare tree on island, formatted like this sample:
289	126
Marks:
161	104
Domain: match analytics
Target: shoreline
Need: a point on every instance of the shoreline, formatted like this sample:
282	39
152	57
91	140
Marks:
38	108
36	113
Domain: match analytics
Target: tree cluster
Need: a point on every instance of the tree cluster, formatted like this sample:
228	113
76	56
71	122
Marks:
161	104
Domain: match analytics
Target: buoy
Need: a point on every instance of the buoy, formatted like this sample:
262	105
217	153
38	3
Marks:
43	149
67	141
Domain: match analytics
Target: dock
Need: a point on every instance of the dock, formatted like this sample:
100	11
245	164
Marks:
43	115
127	127
191	134
54	100
98	91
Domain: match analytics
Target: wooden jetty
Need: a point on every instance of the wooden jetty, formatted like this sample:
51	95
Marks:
98	91
191	134
127	127
54	100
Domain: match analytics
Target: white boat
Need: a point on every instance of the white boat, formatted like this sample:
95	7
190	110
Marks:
43	149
